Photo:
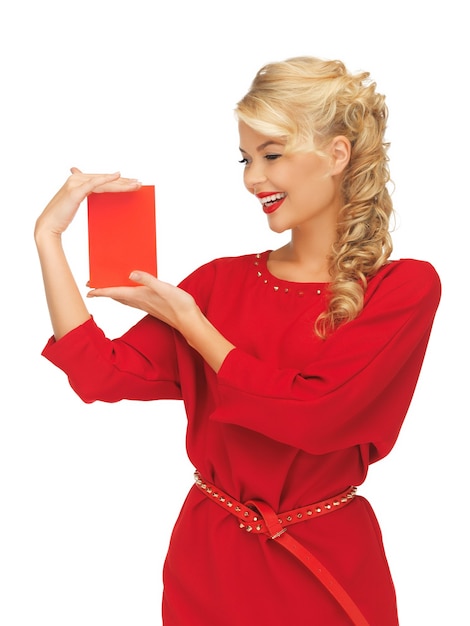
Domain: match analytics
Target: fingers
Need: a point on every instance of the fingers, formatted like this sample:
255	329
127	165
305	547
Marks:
93	182
136	297
62	208
99	183
144	279
116	293
147	286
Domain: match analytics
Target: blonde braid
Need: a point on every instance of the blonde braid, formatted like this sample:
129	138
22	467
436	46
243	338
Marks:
363	243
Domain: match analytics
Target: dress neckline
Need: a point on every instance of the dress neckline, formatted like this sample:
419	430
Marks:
260	261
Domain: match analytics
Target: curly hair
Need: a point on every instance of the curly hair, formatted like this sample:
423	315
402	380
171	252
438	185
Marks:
306	102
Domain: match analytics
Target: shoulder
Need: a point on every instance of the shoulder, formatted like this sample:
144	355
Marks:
408	271
409	279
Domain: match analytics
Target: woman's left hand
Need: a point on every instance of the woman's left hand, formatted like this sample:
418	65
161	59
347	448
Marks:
168	303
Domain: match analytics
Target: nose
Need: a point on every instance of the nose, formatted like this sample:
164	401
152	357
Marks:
254	176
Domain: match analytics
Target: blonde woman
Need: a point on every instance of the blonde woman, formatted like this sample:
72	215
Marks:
296	365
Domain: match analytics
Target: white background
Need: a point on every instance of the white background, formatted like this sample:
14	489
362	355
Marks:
89	494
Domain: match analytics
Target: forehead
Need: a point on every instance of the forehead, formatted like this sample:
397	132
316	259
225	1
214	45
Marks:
251	139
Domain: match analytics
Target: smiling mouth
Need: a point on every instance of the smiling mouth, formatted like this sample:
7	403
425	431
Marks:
272	201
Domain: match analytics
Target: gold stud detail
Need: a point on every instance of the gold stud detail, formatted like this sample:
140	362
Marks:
299	515
259	527
255	519
259	274
237	509
249	529
289	518
318	510
276	288
328	506
246	514
318	292
309	512
229	504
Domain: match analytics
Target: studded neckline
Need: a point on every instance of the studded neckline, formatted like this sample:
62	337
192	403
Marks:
280	285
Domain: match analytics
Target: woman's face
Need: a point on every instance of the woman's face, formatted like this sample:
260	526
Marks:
295	190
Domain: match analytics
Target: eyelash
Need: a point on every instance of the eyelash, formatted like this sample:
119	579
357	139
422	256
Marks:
268	157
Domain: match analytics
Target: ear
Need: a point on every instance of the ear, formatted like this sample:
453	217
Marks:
340	150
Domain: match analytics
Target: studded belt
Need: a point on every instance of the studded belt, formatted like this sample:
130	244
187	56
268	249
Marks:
257	517
250	519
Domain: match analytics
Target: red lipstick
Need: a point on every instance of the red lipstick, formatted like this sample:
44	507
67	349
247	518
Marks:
272	206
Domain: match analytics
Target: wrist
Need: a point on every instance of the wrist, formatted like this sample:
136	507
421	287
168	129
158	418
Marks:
193	325
43	235
207	340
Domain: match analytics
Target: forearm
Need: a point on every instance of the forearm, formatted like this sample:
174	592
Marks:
206	339
67	308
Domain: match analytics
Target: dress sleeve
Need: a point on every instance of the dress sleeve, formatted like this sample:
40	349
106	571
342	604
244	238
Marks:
141	365
358	386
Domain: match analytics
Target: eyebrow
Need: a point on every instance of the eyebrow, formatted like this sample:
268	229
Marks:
265	145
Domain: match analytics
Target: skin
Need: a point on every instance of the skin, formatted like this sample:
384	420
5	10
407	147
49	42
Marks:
312	184
67	308
310	210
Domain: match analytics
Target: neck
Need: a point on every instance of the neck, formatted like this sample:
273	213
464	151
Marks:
302	260
312	247
305	257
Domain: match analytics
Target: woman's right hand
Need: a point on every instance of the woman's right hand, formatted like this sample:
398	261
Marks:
66	306
62	208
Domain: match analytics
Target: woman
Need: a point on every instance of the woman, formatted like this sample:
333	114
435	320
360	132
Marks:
296	366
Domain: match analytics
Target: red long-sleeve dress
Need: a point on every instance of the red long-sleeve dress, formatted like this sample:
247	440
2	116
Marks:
289	419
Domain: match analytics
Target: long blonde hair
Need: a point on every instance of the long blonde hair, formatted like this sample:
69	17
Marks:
308	101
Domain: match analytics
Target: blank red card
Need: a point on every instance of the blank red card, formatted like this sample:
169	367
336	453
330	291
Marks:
121	236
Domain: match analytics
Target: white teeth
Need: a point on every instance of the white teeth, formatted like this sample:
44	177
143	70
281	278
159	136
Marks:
273	198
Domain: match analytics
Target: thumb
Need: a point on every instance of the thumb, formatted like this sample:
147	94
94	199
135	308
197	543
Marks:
144	278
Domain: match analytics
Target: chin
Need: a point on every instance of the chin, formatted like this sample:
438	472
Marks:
277	228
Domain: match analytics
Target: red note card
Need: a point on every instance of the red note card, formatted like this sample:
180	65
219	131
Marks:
121	236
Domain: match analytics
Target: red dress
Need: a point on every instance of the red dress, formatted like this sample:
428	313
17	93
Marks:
288	419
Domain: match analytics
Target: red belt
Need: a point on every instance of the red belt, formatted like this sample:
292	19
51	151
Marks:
255	516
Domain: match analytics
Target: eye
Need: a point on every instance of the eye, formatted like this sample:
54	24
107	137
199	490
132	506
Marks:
272	157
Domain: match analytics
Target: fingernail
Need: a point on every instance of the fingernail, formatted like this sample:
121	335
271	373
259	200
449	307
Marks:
134	276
